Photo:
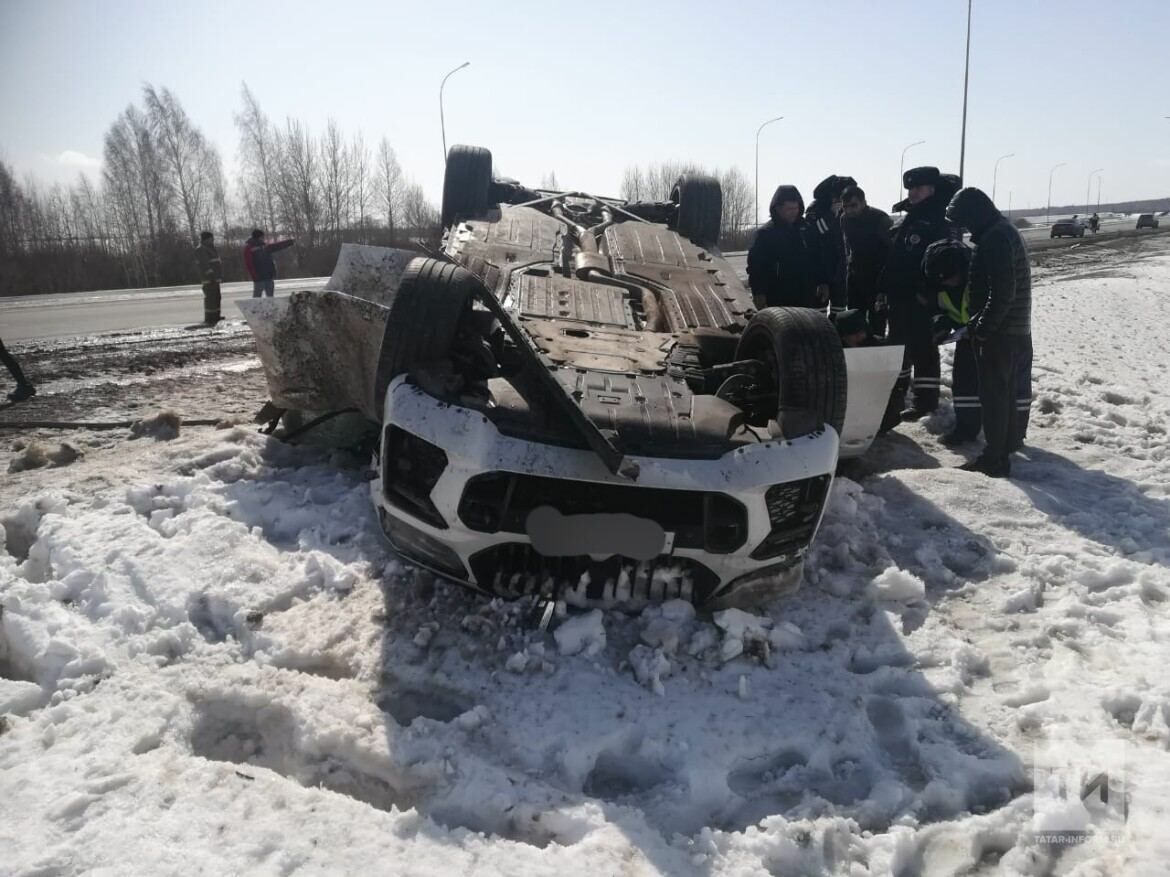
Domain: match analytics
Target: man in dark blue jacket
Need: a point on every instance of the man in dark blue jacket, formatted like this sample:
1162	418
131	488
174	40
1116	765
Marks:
260	264
1000	327
784	267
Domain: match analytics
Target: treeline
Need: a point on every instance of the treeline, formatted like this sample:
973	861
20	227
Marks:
163	182
653	182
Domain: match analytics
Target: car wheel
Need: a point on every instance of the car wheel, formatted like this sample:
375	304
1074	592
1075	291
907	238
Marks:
700	208
466	183
803	350
424	318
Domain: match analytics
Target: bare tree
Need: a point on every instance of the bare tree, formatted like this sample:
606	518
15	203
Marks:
335	178
388	183
299	183
362	179
258	153
633	183
738	200
549	181
190	166
418	214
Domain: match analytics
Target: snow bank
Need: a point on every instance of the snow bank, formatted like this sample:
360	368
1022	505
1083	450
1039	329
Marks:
210	658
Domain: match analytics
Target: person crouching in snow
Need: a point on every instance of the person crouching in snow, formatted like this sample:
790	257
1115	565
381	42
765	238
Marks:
947	266
1000	327
784	268
853	327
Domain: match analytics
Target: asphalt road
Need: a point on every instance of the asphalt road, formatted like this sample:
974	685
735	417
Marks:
27	317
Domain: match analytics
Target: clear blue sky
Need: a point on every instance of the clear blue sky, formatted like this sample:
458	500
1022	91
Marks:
584	89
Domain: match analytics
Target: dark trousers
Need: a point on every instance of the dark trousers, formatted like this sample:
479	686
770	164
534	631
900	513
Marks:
13	366
1023	412
965	389
862	297
838	300
910	324
211	302
999	360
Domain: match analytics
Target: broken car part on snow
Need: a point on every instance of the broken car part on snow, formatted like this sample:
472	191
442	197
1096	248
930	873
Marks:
580	398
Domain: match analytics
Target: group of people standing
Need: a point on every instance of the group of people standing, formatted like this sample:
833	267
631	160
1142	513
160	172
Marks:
918	285
258	262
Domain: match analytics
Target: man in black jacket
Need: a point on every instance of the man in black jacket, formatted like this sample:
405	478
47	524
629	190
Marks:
824	221
911	303
1001	324
784	268
866	231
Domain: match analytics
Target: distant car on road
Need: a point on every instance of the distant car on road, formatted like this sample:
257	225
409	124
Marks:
1147	220
1070	228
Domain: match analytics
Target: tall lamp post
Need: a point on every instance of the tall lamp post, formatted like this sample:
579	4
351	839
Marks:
902	163
1048	209
442	121
1089	189
966	72
758	130
995	173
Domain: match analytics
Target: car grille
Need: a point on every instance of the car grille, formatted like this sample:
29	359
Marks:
501	501
514	569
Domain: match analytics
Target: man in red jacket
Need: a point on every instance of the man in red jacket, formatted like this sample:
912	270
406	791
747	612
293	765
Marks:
260	264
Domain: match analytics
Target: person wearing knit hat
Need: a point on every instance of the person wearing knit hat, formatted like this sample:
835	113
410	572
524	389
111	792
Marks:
1000	327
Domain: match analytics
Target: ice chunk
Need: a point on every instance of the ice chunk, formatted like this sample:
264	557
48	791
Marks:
897	584
582	634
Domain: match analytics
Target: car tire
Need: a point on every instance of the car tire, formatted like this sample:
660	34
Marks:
467	183
808	361
424	318
700	208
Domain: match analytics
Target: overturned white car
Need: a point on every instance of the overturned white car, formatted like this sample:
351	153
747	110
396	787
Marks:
579	398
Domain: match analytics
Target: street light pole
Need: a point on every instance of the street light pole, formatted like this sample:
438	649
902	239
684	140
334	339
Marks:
966	74
995	173
1089	189
758	130
1048	210
902	163
442	121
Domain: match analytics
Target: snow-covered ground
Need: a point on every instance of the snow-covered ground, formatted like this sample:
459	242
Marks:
213	663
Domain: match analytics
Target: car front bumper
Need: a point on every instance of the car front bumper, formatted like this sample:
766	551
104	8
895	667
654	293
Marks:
773	494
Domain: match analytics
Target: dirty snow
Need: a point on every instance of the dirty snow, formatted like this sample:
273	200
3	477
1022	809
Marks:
211	662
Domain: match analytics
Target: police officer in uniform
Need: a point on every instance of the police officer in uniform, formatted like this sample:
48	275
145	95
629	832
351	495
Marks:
904	288
947	268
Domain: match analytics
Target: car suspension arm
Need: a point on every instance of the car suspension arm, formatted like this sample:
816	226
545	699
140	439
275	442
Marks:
617	462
